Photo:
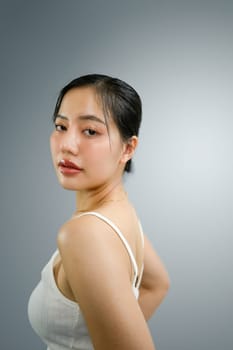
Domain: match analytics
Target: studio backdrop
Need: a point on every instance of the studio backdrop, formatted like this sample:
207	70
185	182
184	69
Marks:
178	55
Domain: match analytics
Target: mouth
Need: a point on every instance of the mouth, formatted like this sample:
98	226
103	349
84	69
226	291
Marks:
67	167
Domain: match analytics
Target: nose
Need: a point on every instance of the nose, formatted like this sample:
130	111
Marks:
70	143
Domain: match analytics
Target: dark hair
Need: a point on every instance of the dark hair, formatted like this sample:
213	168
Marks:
119	100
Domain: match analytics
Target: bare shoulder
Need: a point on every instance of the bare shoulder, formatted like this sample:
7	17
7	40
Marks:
91	254
87	228
77	228
88	240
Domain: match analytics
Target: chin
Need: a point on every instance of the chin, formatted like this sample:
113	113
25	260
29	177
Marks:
70	187
67	185
75	185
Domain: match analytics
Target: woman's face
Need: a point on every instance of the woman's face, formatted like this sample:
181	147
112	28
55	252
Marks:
85	153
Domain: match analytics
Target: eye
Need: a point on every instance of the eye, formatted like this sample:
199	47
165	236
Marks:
60	127
89	132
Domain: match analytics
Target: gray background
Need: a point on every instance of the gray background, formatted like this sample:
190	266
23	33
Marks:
178	55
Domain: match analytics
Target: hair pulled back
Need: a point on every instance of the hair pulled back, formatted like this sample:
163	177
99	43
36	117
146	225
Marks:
119	101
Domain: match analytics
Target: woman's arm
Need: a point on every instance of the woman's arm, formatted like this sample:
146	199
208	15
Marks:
98	269
155	282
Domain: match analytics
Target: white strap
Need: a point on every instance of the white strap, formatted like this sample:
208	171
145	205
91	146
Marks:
138	281
141	233
117	230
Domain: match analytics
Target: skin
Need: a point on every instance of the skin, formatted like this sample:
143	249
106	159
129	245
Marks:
93	267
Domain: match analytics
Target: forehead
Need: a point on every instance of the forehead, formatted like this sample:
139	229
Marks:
83	100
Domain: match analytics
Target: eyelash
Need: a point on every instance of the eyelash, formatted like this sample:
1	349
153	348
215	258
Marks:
60	127
89	132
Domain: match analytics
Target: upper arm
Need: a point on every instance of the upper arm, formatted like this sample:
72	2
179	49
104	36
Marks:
98	270
154	273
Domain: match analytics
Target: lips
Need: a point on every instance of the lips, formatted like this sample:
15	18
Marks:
68	167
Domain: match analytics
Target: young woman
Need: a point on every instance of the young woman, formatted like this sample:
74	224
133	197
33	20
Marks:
104	280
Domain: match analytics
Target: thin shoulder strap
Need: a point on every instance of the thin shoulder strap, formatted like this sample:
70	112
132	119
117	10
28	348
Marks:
117	230
138	281
141	233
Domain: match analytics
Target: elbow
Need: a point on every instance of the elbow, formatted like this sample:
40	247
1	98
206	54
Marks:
166	283
163	285
158	286
161	289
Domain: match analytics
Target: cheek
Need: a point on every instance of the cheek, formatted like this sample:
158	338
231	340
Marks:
106	155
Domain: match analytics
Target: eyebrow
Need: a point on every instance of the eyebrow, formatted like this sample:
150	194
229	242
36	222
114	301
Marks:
83	117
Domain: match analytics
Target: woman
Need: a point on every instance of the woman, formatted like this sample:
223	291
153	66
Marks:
105	280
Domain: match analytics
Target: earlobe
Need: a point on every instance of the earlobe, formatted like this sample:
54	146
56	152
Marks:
129	149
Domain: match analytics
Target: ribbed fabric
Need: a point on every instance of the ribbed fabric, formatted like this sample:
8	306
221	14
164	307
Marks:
58	320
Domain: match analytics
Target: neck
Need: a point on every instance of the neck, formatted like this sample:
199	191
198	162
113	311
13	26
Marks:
89	200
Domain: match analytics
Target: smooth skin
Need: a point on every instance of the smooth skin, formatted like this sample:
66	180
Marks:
93	267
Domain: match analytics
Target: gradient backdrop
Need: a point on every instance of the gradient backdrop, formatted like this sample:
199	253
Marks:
179	56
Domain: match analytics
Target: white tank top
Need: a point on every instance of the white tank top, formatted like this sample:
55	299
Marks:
57	319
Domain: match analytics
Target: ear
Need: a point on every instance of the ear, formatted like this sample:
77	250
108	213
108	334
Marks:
129	149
